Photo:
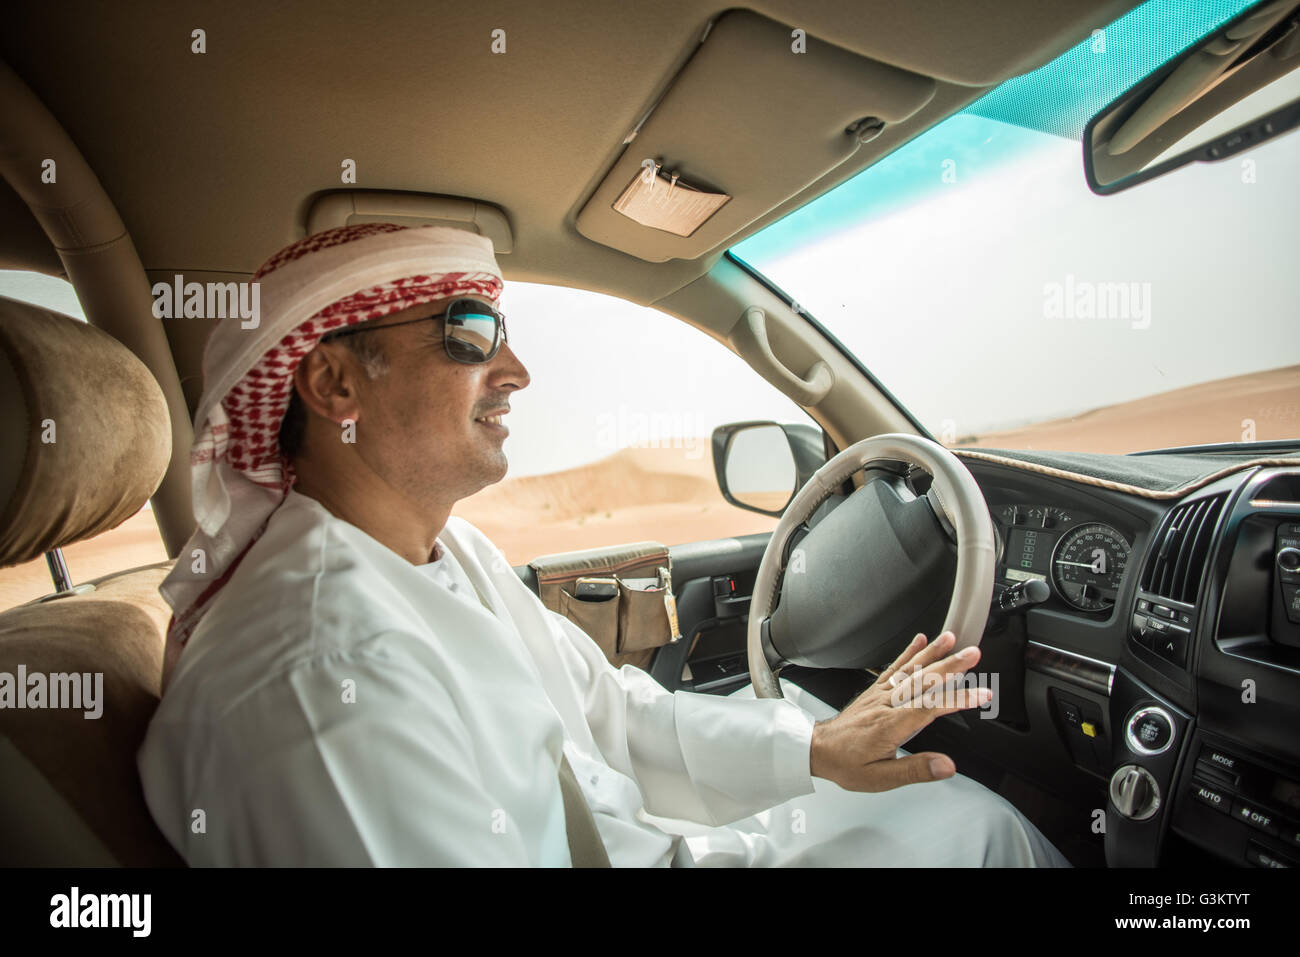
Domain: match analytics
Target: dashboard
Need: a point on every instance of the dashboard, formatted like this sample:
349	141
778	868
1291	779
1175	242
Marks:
1164	662
1153	670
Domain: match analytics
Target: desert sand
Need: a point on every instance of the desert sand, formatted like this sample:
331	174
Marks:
670	495
636	494
1219	411
134	543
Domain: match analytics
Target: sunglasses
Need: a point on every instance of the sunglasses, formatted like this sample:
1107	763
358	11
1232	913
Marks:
472	331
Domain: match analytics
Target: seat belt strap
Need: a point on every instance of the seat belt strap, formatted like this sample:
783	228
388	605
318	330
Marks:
585	846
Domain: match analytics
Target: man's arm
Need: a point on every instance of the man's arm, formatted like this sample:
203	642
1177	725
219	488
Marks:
349	758
699	757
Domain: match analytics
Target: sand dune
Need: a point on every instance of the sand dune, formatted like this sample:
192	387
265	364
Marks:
661	494
670	495
668	475
1218	411
134	543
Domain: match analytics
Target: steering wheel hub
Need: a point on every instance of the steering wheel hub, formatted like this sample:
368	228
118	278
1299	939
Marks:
868	576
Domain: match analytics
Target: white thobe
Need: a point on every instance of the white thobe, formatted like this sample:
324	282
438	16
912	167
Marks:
338	705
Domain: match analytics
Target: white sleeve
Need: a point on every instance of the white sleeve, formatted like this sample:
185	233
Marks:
297	776
703	758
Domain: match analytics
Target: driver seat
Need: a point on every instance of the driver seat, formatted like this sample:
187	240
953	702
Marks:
85	442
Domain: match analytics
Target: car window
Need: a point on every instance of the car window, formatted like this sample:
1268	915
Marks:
1007	306
134	543
611	440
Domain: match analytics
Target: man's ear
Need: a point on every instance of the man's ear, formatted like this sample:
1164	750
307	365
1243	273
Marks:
327	383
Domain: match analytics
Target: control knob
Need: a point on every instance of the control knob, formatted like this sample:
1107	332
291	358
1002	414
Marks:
1134	792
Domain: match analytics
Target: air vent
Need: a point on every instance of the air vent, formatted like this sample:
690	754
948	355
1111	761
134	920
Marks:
1181	549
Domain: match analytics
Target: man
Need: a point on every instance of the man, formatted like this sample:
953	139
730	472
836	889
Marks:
354	677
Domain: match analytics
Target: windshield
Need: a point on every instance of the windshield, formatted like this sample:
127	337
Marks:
1005	305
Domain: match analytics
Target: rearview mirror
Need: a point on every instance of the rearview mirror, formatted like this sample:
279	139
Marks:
1227	93
760	465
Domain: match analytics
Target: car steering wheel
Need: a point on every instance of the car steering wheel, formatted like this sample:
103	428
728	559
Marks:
861	582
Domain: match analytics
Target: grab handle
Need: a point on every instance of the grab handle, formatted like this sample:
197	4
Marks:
749	338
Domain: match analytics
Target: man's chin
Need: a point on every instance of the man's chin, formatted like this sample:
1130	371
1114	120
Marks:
493	470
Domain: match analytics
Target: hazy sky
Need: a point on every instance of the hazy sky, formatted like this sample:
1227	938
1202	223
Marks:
947	299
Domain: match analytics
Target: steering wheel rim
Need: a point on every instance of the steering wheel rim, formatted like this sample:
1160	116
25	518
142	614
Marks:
959	500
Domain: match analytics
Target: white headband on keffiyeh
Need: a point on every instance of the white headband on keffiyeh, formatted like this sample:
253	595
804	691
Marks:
325	282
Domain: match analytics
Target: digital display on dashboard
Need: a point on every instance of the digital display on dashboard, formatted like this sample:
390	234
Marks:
1030	549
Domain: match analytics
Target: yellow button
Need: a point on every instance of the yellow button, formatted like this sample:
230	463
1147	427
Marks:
1087	728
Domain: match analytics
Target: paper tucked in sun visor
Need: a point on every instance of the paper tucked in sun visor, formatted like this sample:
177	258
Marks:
668	202
757	121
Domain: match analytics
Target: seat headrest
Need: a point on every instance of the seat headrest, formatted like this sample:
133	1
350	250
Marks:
84	432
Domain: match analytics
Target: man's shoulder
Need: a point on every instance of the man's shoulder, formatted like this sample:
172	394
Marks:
307	561
307	589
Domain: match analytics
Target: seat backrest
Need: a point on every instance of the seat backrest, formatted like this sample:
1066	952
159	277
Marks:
84	442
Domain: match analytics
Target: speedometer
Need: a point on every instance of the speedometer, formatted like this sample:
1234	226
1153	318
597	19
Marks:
1088	565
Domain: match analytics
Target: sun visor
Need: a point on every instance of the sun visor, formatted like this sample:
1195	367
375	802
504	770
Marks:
760	112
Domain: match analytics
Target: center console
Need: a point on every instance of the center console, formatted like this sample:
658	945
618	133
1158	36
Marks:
1240	805
1206	702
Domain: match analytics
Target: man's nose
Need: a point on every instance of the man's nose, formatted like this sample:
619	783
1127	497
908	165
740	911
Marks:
506	370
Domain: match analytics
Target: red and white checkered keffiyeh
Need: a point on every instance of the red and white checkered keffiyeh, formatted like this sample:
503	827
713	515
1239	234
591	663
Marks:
257	403
325	282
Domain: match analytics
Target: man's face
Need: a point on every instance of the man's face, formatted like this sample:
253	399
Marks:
420	425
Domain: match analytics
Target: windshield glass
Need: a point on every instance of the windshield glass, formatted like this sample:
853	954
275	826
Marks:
1005	305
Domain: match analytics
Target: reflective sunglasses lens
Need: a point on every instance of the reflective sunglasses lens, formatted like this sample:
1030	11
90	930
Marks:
473	331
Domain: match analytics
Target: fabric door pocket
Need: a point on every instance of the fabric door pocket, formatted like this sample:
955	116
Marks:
643	621
599	619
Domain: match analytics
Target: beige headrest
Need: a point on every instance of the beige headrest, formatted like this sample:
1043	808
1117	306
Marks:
84	433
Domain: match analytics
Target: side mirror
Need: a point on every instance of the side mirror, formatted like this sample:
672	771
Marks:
1229	92
760	465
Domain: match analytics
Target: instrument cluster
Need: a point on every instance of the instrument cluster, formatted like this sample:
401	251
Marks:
1082	560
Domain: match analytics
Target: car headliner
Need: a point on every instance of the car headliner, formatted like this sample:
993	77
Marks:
213	159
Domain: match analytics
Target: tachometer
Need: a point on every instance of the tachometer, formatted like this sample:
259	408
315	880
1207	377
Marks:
1088	565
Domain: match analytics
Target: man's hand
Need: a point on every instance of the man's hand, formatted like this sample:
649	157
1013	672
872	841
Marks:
856	748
